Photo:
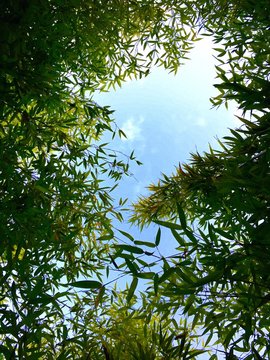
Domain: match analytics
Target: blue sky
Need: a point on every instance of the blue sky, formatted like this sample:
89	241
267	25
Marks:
165	117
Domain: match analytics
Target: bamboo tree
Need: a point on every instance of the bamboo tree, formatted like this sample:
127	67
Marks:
217	205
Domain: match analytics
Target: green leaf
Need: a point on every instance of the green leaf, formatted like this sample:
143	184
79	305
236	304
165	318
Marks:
256	353
229	336
223	233
121	133
113	261
146	275
156	282
127	235
100	295
129	248
9	354
212	276
194	353
181	241
250	124
183	290
142	262
191	236
43	189
131	266
167	273
85	284
144	243
187	275
182	216
42	299
132	289
189	302
157	241
105	237
168	224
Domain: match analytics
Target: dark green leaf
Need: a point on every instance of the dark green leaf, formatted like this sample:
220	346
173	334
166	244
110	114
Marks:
181	241
156	282
131	266
146	275
182	216
129	248
157	241
168	224
144	243
86	284
127	235
132	289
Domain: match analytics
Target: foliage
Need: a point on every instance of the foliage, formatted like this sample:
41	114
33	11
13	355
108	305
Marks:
57	180
217	205
56	175
126	331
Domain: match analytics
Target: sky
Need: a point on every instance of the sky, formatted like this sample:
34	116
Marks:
165	118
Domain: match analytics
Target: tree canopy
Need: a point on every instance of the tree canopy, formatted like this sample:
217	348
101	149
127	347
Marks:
217	205
57	179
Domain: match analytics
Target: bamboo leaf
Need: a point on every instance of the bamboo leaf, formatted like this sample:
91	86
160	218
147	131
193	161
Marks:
132	289
127	235
168	224
85	284
146	275
158	235
131	266
156	282
178	237
182	216
100	296
144	243
129	248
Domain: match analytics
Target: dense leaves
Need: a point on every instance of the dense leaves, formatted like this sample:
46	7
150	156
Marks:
217	205
129	333
56	175
57	180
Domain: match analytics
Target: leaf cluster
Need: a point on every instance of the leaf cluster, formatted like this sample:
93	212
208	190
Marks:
217	204
56	176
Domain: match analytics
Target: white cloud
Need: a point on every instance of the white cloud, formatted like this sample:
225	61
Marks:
200	121
132	128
